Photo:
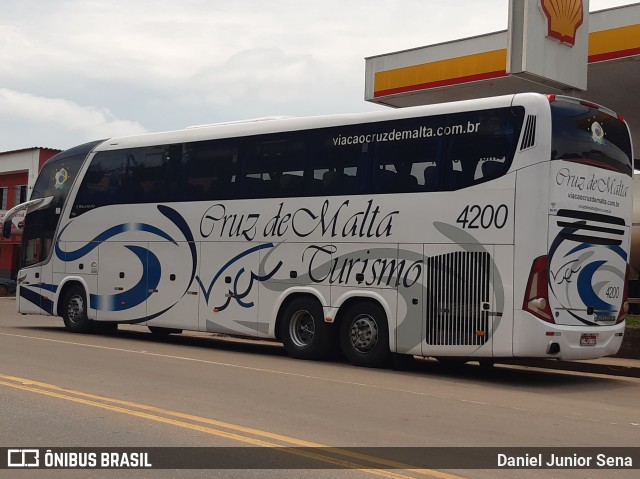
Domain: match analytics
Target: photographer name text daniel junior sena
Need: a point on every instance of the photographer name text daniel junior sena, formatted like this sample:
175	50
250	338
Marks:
559	461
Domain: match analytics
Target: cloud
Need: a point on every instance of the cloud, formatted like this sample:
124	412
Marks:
260	75
85	122
166	64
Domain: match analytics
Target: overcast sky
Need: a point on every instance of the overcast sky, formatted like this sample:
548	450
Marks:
78	70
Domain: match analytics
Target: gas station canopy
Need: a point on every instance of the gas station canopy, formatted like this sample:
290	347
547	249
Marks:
552	46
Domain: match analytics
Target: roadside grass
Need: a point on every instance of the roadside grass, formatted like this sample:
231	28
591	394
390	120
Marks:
633	321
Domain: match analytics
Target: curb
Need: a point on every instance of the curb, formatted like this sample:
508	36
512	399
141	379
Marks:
630	371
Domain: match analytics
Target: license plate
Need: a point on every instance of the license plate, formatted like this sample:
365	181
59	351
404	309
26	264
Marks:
588	340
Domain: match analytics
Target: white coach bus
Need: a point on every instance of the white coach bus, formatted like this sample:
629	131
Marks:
482	229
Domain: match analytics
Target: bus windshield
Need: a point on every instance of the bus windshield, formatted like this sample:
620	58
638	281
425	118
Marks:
584	134
55	180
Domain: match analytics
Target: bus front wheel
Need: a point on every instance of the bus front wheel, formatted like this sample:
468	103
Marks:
74	311
303	331
364	335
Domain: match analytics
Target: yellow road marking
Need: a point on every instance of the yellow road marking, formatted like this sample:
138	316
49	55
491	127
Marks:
123	407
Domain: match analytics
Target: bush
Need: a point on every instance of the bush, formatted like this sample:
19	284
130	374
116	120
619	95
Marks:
633	321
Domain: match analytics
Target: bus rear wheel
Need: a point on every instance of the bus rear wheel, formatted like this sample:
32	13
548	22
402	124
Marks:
303	331
364	335
74	311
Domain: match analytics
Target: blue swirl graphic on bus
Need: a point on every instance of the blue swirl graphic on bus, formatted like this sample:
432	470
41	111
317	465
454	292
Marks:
585	287
234	294
150	264
140	291
105	235
151	267
183	226
579	277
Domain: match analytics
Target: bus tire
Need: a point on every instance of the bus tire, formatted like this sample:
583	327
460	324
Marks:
303	331
74	310
364	335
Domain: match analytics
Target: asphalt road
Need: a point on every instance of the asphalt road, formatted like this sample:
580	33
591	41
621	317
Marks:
132	389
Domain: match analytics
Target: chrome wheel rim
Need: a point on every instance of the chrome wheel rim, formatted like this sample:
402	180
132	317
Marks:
364	333
75	309
302	329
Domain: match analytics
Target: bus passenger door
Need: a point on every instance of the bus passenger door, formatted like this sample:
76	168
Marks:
37	291
228	289
123	281
29	294
173	301
410	309
30	291
459	300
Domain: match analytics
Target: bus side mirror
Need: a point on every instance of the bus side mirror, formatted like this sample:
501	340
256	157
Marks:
6	229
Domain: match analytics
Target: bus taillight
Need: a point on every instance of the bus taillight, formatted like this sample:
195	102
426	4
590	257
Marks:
536	297
624	308
588	104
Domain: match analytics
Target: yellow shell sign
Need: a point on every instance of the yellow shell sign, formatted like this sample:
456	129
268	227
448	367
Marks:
564	17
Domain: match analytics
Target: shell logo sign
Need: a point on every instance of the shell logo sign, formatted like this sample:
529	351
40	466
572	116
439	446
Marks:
564	17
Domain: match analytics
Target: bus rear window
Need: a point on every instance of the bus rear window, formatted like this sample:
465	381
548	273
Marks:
586	135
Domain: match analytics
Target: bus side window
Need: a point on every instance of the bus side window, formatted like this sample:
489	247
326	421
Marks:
459	163
194	172
292	184
336	168
489	167
430	176
104	183
273	168
400	168
482	158
210	170
145	174
153	173
492	160
395	178
333	182
486	150
95	184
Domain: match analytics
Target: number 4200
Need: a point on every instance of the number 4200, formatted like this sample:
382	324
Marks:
476	216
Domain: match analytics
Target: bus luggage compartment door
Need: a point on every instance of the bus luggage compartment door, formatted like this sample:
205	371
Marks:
173	295
123	281
410	308
229	288
459	300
